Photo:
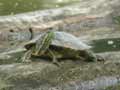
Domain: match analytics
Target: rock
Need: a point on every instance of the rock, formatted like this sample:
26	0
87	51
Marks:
69	76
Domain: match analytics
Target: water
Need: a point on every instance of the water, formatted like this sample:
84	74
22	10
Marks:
18	6
105	45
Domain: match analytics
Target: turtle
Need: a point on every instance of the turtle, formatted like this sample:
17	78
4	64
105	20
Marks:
58	45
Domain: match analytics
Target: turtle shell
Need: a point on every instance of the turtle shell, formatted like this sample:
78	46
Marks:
67	40
62	39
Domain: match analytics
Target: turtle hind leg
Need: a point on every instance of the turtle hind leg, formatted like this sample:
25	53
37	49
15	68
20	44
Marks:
26	57
54	60
93	57
89	56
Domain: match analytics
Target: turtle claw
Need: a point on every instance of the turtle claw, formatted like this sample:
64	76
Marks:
100	58
57	64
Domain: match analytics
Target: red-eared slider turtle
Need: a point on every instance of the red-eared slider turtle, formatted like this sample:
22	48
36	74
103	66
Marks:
56	45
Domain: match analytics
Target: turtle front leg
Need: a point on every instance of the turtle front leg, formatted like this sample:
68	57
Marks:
26	57
54	59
